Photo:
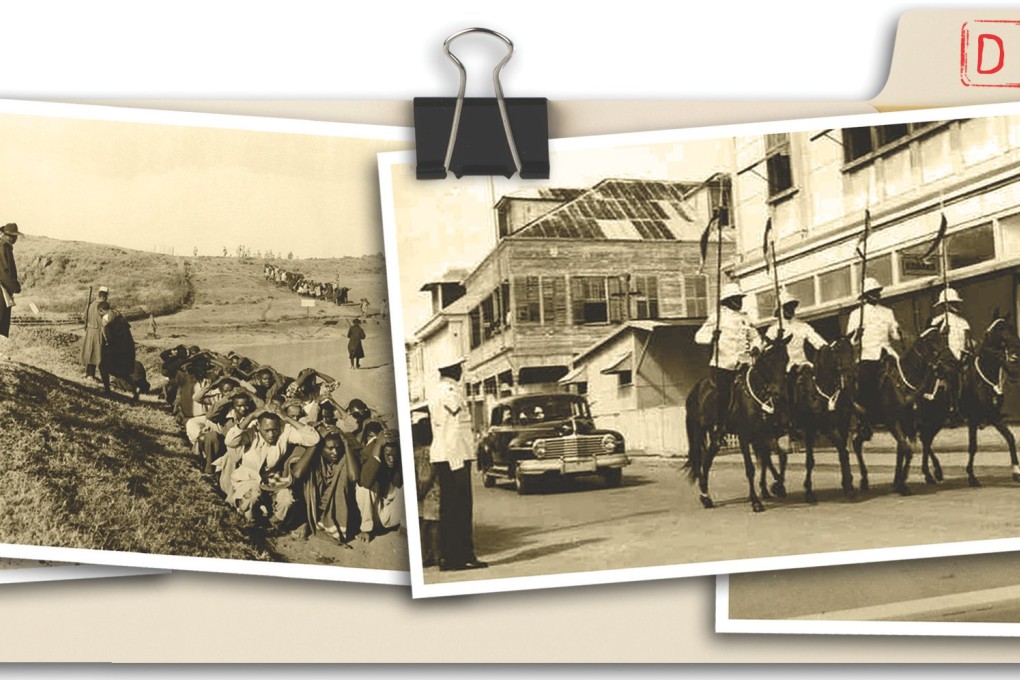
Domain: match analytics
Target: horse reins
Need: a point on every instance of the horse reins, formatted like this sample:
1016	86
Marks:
996	387
766	407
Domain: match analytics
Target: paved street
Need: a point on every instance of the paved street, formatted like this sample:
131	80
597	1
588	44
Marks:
655	517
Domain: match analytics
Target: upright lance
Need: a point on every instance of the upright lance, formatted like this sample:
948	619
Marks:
718	285
87	305
862	250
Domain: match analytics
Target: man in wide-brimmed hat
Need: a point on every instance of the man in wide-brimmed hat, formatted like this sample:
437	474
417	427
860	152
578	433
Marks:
735	340
9	285
877	332
956	329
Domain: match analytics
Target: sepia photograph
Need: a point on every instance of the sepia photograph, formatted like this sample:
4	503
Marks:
195	357
714	350
969	595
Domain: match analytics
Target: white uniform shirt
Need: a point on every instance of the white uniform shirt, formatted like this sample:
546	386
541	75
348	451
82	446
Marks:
737	337
452	439
801	332
880	330
958	329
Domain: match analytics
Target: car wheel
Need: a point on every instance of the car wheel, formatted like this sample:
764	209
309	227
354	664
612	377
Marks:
523	484
488	481
613	477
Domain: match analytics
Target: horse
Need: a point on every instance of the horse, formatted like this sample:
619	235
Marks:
933	407
821	402
899	383
757	417
983	378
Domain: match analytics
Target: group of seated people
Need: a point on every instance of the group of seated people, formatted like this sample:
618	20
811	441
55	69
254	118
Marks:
304	286
282	451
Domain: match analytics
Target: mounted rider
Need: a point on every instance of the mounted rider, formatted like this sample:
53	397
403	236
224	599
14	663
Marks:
736	343
800	332
956	330
878	332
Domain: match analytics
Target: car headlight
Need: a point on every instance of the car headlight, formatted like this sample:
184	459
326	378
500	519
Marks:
609	443
539	447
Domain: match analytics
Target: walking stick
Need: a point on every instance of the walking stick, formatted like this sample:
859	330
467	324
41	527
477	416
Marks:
87	305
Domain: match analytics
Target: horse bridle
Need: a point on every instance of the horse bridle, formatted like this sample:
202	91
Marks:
768	407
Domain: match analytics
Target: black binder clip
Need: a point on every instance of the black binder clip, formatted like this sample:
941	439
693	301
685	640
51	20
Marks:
481	135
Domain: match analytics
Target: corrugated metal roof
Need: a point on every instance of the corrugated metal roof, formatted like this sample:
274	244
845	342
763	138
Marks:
628	209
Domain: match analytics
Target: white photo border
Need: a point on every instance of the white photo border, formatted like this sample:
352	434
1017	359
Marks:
829	625
420	589
69	572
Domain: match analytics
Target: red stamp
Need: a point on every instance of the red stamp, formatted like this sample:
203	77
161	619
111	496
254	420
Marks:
990	53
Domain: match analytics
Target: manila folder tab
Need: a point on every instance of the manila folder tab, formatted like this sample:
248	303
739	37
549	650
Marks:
953	57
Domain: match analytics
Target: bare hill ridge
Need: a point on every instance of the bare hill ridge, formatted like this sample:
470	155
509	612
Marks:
56	275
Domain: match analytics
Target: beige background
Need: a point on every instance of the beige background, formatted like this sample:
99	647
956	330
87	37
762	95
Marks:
208	617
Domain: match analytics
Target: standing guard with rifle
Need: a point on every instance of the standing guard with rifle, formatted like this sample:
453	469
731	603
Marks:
92	343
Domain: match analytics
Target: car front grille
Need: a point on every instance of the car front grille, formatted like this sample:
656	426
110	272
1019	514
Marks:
573	445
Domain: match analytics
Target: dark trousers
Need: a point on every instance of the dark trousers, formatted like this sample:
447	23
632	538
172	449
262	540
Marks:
867	384
724	390
456	524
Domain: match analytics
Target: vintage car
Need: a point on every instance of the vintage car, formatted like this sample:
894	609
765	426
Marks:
536	435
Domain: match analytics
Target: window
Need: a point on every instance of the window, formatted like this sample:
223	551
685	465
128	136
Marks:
777	163
475	320
1010	235
618	294
881	269
554	300
970	246
527	291
803	290
766	301
645	290
488	317
625	378
859	142
696	295
588	298
963	249
835	285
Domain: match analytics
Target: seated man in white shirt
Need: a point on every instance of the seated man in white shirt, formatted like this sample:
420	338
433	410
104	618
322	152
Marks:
264	449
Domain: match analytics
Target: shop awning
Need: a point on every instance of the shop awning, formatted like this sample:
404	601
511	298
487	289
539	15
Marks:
621	364
578	375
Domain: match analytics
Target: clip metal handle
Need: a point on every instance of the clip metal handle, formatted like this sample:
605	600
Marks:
495	85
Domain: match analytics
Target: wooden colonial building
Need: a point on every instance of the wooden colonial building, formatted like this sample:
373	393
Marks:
573	269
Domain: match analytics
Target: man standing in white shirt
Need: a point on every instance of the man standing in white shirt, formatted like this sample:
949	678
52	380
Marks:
736	341
876	333
451	454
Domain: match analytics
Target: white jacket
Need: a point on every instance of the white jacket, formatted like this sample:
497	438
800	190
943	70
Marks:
737	337
880	330
802	333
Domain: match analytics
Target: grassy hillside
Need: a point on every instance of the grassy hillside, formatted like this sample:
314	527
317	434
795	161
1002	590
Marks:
56	275
81	471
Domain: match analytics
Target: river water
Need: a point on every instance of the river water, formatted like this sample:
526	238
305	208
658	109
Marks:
373	383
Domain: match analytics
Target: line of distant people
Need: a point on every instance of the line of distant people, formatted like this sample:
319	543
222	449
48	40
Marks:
282	451
300	284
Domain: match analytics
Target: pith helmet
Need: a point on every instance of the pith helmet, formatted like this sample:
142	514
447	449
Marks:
731	290
871	285
948	296
788	298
